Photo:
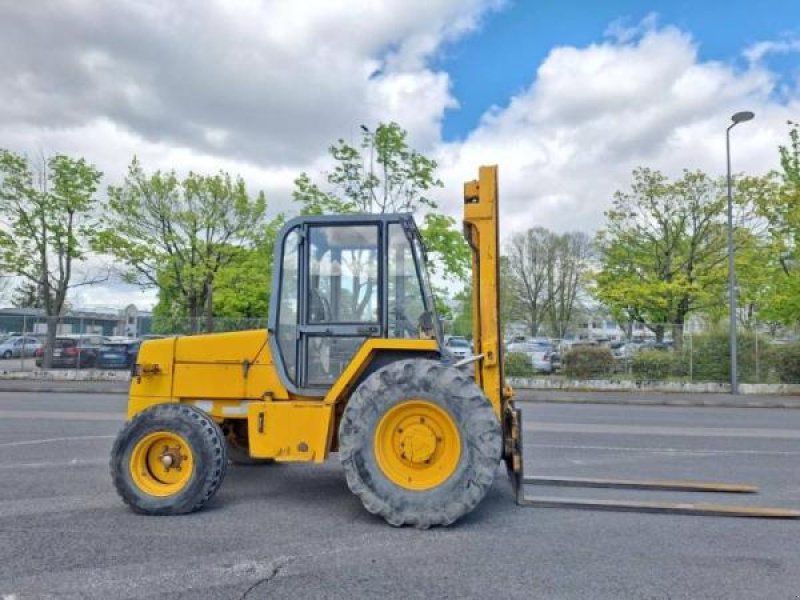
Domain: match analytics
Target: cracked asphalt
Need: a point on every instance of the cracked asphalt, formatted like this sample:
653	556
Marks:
295	531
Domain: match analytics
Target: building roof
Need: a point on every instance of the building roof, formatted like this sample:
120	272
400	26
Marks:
73	314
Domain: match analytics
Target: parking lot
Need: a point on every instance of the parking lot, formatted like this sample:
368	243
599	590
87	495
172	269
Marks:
296	531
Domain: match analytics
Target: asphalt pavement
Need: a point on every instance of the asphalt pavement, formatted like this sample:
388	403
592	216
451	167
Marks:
295	531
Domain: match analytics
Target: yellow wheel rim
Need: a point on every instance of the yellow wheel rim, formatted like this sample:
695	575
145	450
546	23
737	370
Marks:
417	445
161	463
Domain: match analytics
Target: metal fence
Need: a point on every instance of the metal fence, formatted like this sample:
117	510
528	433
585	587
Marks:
94	341
592	350
696	353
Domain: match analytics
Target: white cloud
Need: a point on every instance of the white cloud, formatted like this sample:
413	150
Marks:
623	32
259	81
592	114
759	50
261	88
256	87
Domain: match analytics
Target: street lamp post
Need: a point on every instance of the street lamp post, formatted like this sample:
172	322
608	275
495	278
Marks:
739	117
371	135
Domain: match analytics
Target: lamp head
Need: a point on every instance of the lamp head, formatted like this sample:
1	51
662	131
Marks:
741	117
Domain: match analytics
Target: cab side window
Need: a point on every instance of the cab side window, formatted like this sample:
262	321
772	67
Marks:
406	305
288	304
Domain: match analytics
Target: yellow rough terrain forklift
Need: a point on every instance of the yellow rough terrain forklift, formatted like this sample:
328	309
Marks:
352	362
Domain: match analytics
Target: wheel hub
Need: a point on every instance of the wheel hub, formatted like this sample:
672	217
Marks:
161	463
171	458
417	444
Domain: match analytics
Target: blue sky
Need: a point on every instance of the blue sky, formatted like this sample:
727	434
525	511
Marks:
500	60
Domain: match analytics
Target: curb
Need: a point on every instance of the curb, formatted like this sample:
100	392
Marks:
52	390
48	387
700	403
614	385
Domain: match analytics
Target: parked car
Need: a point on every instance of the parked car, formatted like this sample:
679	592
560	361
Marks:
118	354
653	345
555	360
459	347
539	350
71	352
626	350
16	346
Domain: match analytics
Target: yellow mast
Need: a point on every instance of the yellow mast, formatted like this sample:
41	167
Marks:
482	232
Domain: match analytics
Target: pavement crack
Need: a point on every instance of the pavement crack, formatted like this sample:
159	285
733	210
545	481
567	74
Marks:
275	568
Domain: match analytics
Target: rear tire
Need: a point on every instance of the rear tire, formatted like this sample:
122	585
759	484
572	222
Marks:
198	460
454	418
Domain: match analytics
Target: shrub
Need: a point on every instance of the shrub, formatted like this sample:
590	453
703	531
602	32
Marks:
518	364
653	364
710	357
785	360
585	362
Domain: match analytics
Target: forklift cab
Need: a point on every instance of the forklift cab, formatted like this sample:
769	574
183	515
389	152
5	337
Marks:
338	281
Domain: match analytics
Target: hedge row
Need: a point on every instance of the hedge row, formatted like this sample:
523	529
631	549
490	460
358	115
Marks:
785	361
705	358
654	365
518	364
588	362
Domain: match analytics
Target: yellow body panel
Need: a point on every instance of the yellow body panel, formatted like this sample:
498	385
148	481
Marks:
154	365
208	380
236	365
363	357
210	368
290	431
263	380
232	376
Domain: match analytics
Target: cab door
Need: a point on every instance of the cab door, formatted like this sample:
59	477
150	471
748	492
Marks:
341	298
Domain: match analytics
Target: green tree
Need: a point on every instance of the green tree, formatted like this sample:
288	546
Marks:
462	319
566	278
242	288
384	175
27	295
780	207
663	250
451	254
530	257
756	267
179	234
543	277
47	223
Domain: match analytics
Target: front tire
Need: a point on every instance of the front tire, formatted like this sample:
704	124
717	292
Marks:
168	460
419	443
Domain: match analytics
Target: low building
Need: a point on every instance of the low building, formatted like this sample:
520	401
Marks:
129	322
